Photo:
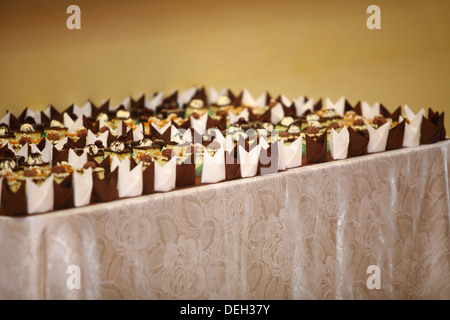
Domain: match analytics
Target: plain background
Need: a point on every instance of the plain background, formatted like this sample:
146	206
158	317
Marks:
314	48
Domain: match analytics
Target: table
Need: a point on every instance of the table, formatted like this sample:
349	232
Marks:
306	233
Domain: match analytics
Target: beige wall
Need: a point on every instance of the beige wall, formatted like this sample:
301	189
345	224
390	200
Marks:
316	48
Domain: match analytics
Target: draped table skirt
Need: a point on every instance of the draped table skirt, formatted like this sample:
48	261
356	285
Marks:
306	233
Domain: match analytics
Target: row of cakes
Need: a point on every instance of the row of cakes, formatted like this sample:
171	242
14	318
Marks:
39	144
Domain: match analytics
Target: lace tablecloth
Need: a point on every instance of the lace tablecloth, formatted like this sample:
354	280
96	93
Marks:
306	233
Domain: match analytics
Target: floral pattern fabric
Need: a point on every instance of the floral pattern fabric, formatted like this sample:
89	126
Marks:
305	233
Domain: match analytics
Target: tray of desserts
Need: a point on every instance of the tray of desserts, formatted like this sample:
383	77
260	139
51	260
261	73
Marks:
54	160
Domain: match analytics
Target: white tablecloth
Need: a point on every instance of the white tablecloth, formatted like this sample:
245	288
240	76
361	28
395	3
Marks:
306	233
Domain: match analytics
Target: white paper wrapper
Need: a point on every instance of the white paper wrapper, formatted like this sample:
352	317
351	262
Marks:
130	183
199	125
213	167
248	161
214	94
301	105
36	115
163	129
82	188
48	112
229	143
125	102
91	138
234	118
378	137
187	136
68	122
138	133
77	124
60	145
115	163
85	110
368	111
6	118
165	177
174	132
77	162
260	102
39	198
281	155
248	100
102	123
35	149
293	153
155	101
339	142
263	143
218	136
411	115
186	96
119	128
22	152
338	106
47	152
4	142
411	136
277	113
285	100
